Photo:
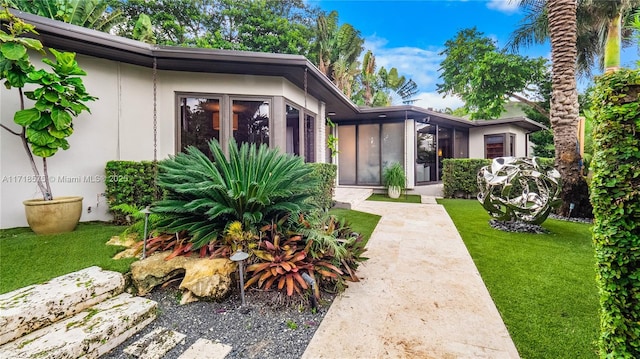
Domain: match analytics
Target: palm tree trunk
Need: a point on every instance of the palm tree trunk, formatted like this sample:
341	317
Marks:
612	46
564	106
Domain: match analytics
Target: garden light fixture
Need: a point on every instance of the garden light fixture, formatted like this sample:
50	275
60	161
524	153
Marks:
239	256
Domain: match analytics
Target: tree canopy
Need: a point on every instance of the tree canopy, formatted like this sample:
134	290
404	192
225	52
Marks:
486	77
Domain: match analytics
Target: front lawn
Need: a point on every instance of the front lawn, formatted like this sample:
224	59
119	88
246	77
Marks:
542	284
26	258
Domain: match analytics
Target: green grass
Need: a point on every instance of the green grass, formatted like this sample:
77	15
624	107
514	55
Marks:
410	198
542	284
26	258
360	222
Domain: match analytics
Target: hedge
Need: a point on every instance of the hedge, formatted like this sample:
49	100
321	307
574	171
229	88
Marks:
459	176
130	183
615	196
326	173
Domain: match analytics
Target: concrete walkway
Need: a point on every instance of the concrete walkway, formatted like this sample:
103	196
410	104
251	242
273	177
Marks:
420	296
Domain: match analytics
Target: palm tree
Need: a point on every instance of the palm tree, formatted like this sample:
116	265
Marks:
336	44
595	29
564	105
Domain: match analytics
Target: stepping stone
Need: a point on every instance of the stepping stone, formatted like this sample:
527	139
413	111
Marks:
30	308
88	334
206	349
155	344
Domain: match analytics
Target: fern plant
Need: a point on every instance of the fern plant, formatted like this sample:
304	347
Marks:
254	186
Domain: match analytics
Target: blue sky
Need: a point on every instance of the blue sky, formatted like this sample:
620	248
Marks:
409	34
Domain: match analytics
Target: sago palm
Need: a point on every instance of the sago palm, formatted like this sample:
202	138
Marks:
255	186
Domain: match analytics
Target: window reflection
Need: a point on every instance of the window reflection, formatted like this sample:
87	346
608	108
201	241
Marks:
309	138
251	121
199	122
293	130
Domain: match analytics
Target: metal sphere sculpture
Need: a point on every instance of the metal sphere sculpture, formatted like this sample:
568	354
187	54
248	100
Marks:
515	189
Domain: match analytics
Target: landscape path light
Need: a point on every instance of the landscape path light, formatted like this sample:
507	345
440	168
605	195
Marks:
239	256
146	212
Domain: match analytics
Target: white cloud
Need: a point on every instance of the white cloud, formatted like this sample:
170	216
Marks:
420	65
435	101
505	6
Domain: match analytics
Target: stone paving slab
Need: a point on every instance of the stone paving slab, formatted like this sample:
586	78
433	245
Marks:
88	334
155	344
206	349
420	296
27	309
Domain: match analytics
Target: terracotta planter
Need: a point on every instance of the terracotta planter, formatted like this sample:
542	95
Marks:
394	192
59	215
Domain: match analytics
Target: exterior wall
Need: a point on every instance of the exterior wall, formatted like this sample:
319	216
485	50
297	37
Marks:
76	171
120	127
476	139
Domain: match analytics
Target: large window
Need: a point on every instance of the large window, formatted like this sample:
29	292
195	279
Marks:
499	145
364	151
347	156
309	138
199	122
293	130
250	119
368	169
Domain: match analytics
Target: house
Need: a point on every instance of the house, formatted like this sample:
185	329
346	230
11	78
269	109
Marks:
155	100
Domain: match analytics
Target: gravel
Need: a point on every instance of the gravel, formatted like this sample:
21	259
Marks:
273	327
522	227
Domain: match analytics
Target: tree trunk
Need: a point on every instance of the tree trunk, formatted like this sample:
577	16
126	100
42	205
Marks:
612	45
564	107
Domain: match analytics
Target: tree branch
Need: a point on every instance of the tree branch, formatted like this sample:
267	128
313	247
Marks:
535	105
10	130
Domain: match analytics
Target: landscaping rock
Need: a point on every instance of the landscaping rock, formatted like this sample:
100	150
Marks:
515	226
203	278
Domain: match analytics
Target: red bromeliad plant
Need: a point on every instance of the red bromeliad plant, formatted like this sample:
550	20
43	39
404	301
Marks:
283	262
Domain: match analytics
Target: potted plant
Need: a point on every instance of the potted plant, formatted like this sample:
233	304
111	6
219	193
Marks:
394	179
58	96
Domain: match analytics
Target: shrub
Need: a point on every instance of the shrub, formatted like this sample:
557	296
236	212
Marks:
130	183
615	196
394	176
255	186
459	176
322	194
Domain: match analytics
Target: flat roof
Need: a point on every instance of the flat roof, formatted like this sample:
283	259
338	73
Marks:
295	68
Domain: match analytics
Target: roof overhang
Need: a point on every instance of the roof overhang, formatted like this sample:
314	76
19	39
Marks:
295	68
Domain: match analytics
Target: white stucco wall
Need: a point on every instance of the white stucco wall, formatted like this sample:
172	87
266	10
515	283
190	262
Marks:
120	127
476	139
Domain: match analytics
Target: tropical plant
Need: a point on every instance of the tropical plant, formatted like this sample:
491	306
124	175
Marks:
136	220
394	176
599	26
59	94
254	186
92	14
564	107
282	264
615	196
